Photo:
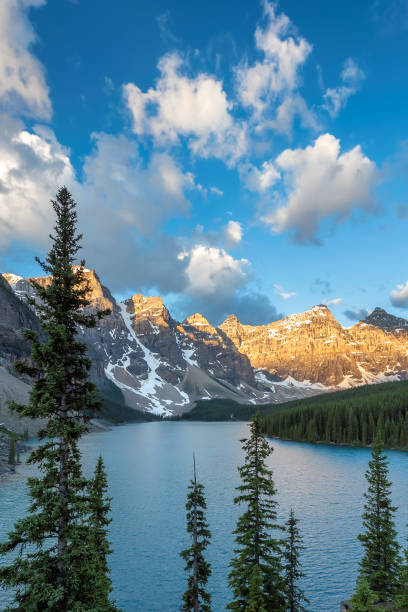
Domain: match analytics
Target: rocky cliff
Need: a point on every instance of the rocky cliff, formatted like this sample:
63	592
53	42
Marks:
161	365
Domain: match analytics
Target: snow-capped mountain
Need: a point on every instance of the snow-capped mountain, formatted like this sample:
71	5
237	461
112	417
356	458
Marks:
163	366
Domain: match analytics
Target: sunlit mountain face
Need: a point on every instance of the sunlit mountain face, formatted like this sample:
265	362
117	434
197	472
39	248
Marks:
160	365
245	160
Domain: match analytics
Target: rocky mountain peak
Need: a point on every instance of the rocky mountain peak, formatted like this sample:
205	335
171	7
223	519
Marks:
200	323
230	320
384	320
149	308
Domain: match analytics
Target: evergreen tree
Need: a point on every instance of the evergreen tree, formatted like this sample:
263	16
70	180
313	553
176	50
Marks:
257	549
95	570
196	598
256	601
402	599
381	561
292	566
50	542
363	598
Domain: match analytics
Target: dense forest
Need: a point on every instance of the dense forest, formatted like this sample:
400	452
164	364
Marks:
348	417
342	417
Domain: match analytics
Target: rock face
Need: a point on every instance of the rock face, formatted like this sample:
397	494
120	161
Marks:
161	365
315	348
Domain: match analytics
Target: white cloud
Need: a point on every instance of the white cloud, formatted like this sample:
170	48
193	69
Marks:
321	182
333	302
195	108
118	182
233	233
32	165
22	82
282	293
399	296
336	98
216	191
121	200
271	84
259	180
213	271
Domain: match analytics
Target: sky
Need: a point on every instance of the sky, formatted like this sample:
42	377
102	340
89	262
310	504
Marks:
246	157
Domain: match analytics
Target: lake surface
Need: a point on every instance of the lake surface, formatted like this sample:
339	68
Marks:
149	466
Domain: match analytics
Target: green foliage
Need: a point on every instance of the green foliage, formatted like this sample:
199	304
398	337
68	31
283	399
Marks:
256	601
256	548
49	544
345	417
219	410
94	570
381	561
292	566
196	597
363	598
402	599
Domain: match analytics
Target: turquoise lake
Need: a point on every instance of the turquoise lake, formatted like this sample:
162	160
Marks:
149	466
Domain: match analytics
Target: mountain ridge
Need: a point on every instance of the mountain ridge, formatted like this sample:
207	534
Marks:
163	366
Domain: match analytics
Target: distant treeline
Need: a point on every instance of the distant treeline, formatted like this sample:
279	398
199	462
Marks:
342	417
347	417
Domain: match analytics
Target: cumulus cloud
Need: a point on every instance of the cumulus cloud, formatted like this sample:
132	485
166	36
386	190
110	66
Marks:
233	233
194	108
122	203
282	293
259	180
336	98
32	163
211	271
357	314
321	182
272	82
399	296
22	83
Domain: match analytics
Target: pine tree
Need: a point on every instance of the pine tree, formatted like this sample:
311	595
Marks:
292	566
256	602
402	599
50	541
363	598
257	549
196	598
381	561
94	569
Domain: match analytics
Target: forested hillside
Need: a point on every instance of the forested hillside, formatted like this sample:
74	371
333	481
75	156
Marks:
344	417
348	417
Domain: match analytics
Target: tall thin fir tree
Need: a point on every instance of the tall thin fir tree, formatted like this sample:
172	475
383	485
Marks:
95	570
381	561
257	549
50	542
196	598
295	598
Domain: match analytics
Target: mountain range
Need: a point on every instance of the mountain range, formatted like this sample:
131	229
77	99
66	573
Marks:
159	365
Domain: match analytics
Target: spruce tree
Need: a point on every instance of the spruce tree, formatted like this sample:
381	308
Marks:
364	598
50	543
381	561
257	549
196	598
256	602
292	566
95	570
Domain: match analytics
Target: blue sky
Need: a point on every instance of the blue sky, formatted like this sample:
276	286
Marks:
249	159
